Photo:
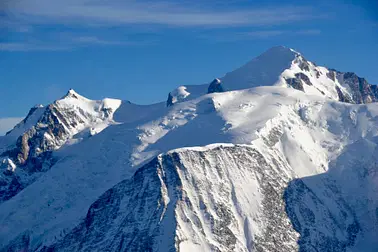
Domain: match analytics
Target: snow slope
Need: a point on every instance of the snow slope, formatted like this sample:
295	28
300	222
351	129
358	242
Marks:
261	71
268	168
8	123
282	66
276	121
26	150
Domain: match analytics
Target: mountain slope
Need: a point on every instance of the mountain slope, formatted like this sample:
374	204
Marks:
27	149
183	214
7	123
276	121
282	66
171	194
271	168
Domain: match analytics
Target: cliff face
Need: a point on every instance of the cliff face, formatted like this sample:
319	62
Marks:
361	90
227	198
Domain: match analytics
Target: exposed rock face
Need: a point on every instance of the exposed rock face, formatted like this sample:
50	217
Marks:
295	83
304	65
285	67
169	100
343	97
262	169
303	77
332	75
348	86
171	192
215	87
44	130
319	226
362	91
51	131
317	73
32	112
167	206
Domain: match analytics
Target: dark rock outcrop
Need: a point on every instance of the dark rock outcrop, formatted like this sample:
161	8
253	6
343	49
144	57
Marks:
343	97
331	75
363	92
169	100
304	65
215	87
317	73
30	113
295	83
304	78
49	129
48	134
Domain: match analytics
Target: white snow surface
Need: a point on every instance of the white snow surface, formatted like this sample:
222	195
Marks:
91	117
273	68
183	93
261	71
92	112
309	130
314	128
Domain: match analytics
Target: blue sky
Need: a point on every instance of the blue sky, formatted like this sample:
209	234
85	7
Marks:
140	50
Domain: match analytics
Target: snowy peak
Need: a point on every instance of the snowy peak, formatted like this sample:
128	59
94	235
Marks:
285	67
261	71
30	120
63	120
289	168
264	70
48	128
73	94
282	66
45	129
277	52
94	109
311	79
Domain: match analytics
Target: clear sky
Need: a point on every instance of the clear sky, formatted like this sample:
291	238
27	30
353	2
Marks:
140	50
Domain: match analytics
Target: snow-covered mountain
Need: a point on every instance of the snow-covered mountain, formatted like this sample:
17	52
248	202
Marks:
8	123
282	66
278	155
30	144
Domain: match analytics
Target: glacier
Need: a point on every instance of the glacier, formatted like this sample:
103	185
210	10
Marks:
280	158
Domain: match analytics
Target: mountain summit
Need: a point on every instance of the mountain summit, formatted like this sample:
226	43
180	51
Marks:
278	155
73	94
282	66
264	70
46	129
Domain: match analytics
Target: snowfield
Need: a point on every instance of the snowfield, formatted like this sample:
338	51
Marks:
271	164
